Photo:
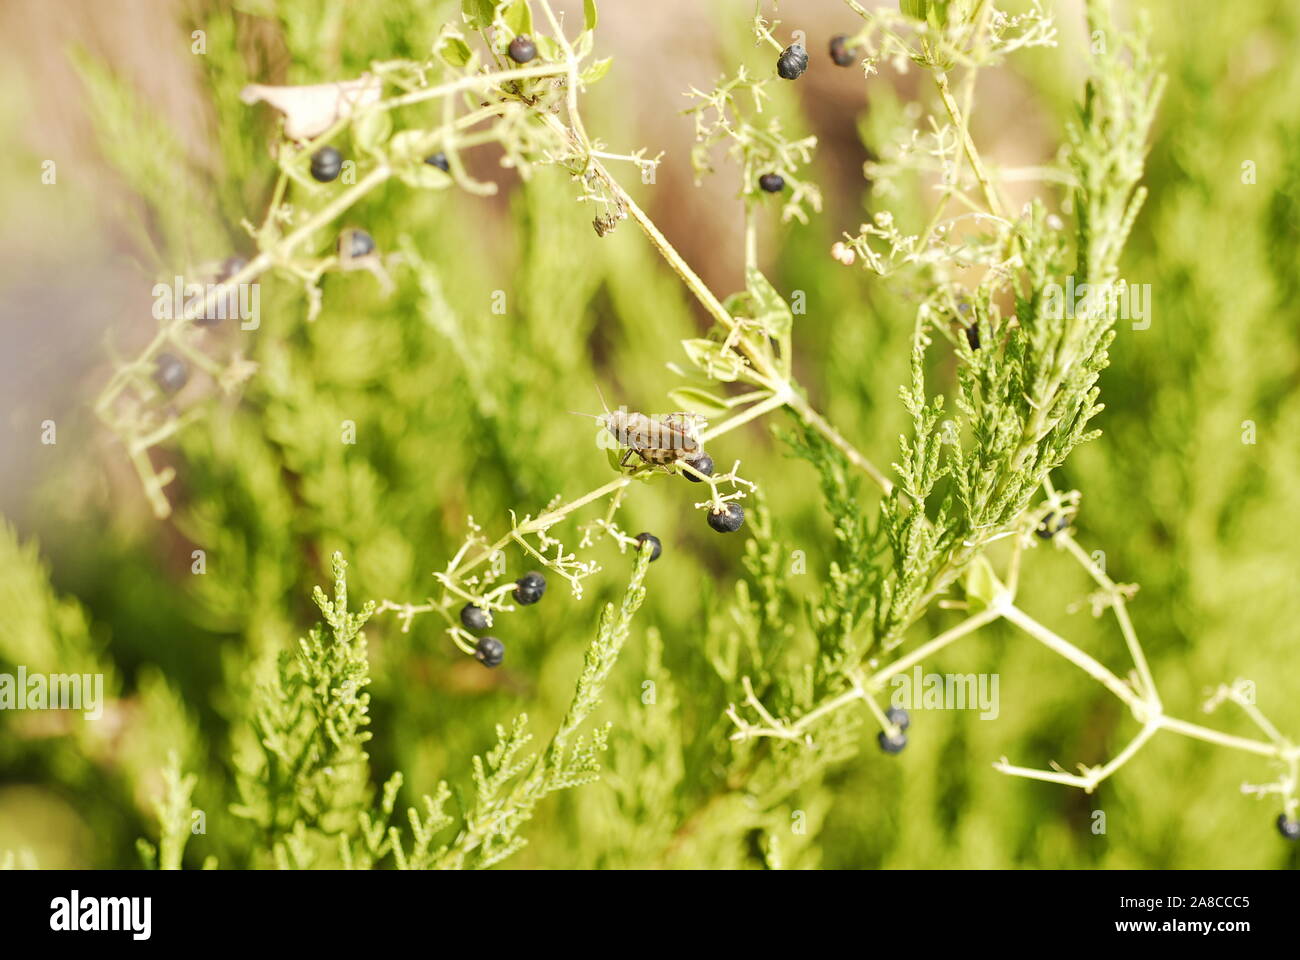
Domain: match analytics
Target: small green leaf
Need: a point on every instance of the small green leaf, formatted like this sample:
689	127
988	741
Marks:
452	48
519	18
983	588
709	357
596	70
372	129
407	146
936	13
589	13
549	49
770	310
695	400
479	14
737	304
913	8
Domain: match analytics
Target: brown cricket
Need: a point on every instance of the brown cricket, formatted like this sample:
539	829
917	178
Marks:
657	440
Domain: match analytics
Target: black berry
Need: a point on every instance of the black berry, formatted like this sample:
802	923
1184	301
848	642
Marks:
703	463
522	49
490	651
772	182
656	547
170	372
792	62
973	336
438	160
891	744
474	618
530	587
326	164
355	244
729	519
898	717
1289	828
1052	524
841	52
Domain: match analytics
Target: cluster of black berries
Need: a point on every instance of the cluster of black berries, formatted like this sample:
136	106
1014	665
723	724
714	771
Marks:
895	744
728	520
490	651
732	515
793	61
790	65
171	372
326	164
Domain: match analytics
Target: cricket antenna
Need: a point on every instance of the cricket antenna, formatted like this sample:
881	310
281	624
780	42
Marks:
603	419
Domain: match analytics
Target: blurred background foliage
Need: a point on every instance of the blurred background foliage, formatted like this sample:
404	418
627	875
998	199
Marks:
460	411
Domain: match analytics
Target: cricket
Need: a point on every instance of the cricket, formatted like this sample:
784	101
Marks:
658	440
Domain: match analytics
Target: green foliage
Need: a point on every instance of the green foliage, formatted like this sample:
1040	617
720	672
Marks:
305	785
310	776
723	728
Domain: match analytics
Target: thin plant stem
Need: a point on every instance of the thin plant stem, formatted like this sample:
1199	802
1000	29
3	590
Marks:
1121	614
968	144
494	79
1085	662
822	426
